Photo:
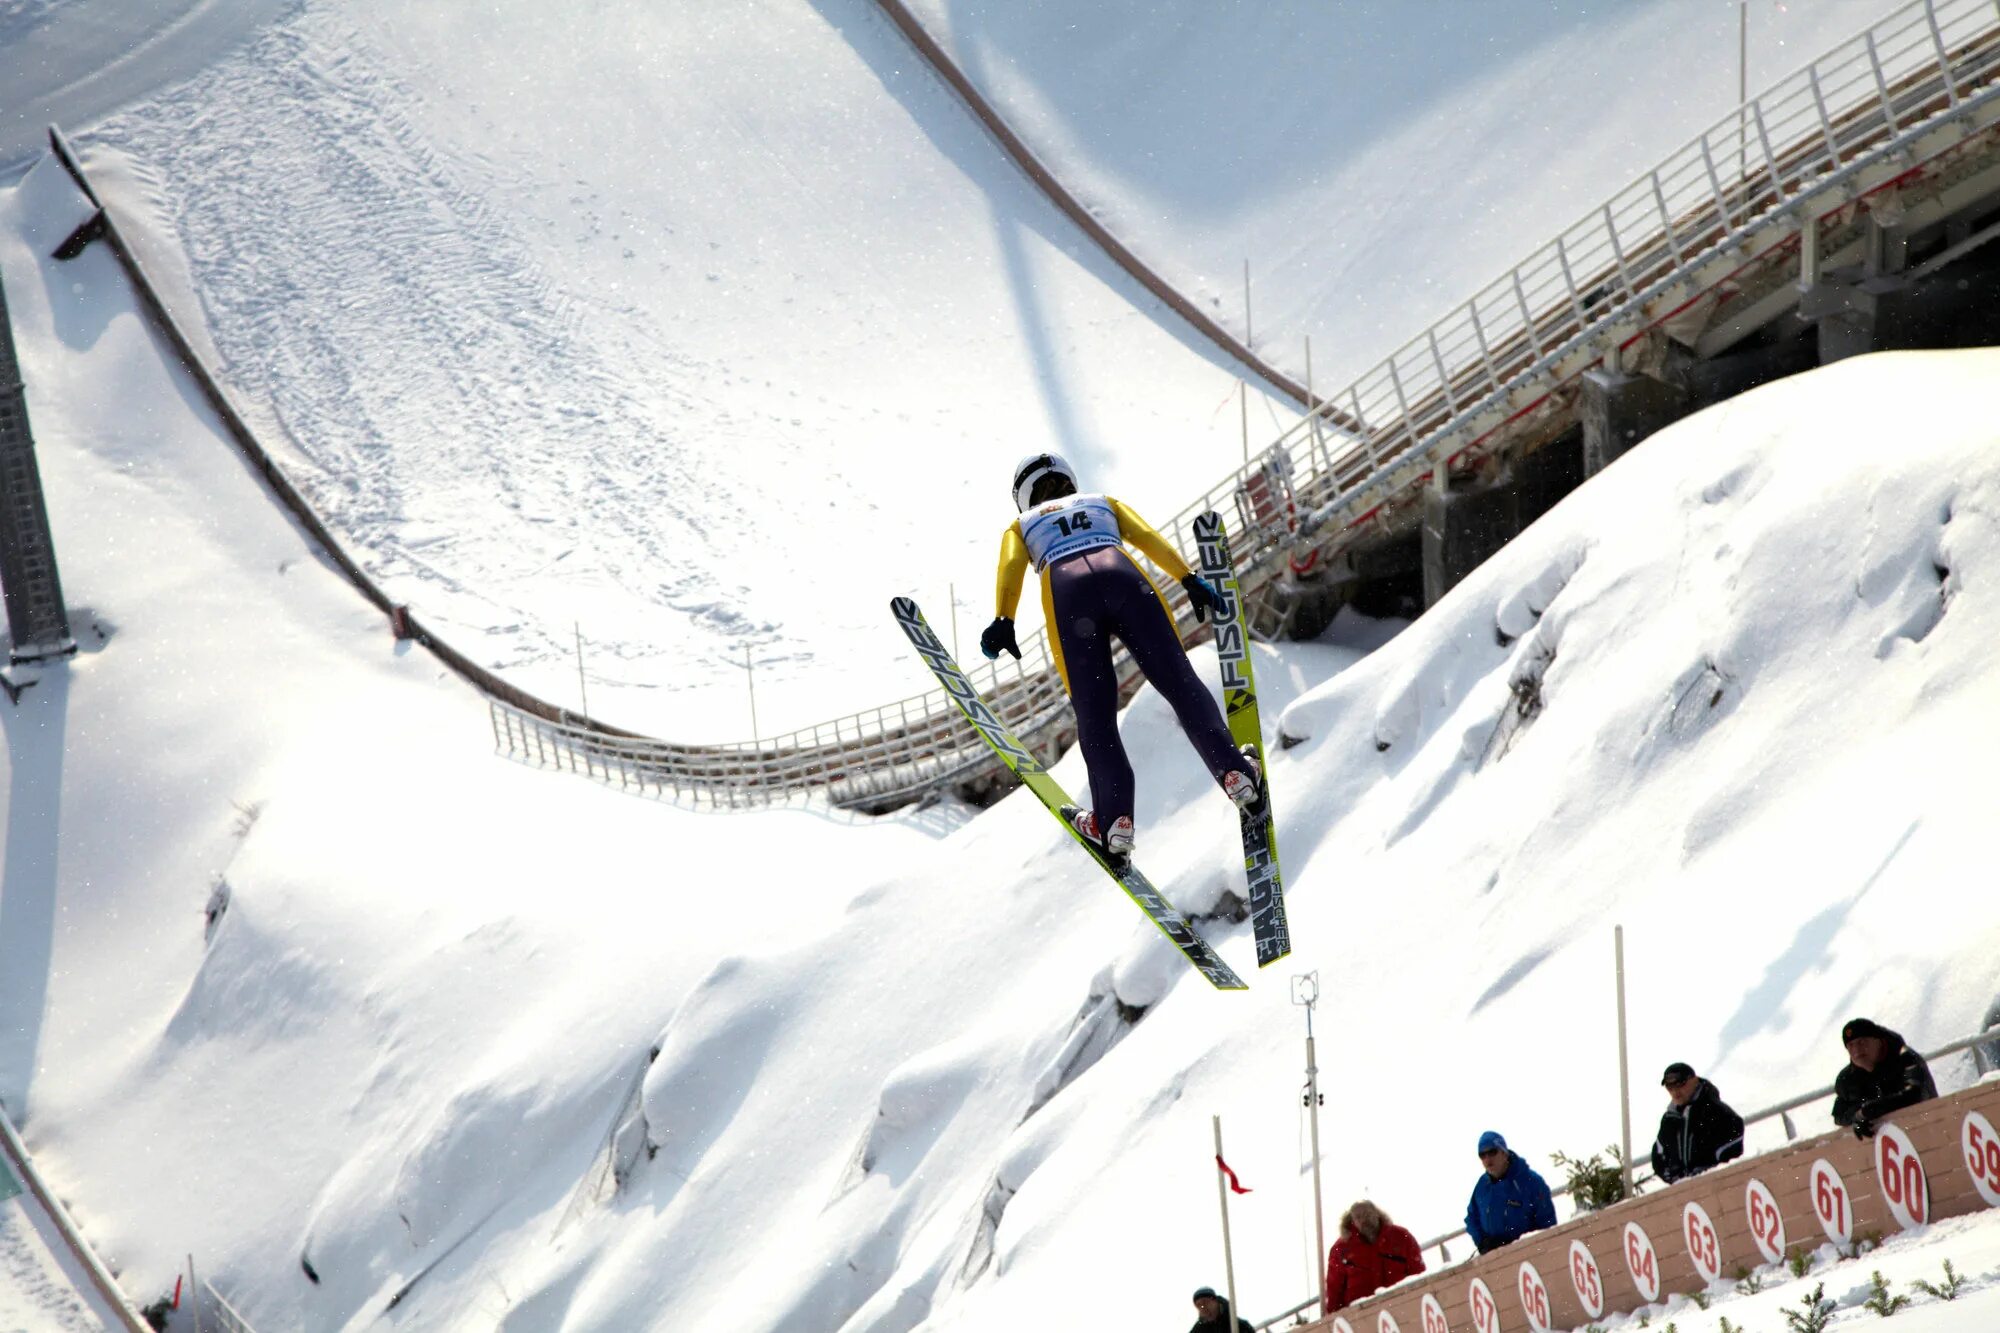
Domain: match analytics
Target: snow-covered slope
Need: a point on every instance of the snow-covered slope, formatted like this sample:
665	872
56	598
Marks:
702	327
75	60
690	330
900	1082
1375	162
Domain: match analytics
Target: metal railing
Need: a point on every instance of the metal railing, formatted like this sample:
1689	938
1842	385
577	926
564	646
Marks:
1778	1112
1866	114
895	752
14	1154
217	1308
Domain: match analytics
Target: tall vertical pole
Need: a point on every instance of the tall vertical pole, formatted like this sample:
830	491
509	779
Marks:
582	686
1624	1070
952	592
1243	401
1742	89
756	737
1305	991
1312	401
1248	334
194	1293
1222	1193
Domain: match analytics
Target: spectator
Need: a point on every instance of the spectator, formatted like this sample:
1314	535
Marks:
1698	1131
1883	1074
1212	1314
1372	1253
1509	1201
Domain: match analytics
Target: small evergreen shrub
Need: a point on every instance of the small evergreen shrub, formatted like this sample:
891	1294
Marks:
1880	1301
1949	1291
1595	1181
1815	1312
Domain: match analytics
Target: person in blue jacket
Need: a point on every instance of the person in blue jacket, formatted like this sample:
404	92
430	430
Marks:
1509	1201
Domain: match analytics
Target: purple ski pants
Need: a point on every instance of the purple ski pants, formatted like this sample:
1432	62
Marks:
1095	596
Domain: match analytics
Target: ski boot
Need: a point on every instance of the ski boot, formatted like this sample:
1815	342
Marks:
1245	787
1115	843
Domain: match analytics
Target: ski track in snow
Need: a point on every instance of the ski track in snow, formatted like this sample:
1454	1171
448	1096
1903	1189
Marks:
482	372
35	1297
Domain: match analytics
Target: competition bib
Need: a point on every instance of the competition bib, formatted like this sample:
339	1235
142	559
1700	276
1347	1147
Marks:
1061	528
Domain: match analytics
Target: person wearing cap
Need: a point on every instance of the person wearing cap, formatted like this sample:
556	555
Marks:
1212	1314
1509	1201
1698	1130
1372	1253
1883	1074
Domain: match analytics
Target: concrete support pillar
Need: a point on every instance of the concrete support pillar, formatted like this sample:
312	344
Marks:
1844	315
1619	410
1462	527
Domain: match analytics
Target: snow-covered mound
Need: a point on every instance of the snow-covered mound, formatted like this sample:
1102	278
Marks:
932	1070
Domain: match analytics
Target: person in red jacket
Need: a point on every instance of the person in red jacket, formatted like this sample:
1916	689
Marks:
1372	1253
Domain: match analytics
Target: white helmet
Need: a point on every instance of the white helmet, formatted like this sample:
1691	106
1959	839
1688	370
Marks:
1032	469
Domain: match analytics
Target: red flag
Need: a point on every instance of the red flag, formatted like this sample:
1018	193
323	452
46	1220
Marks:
1234	1184
177	1291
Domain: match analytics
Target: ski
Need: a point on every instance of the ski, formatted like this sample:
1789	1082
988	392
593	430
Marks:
1239	697
1036	779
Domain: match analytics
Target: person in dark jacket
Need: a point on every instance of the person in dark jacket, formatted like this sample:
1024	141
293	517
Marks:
1883	1075
1698	1131
1212	1314
1509	1201
1372	1253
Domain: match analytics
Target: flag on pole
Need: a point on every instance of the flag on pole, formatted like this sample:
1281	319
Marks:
1235	1185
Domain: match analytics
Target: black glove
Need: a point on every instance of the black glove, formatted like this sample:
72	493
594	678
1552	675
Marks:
1864	1128
999	635
1202	596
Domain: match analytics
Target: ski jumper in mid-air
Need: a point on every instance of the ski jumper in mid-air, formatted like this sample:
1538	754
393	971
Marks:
1092	591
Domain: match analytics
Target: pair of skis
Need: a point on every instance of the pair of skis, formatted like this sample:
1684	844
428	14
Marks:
1258	827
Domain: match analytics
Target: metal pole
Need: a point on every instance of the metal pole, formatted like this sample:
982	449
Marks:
953	594
1742	86
582	687
1222	1193
1312	402
1243	400
1305	991
1624	1069
1248	336
756	738
194	1294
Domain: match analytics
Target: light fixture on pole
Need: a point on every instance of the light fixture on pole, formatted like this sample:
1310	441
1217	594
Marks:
1305	993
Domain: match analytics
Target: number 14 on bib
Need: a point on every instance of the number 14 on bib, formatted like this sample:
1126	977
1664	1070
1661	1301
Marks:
1239	699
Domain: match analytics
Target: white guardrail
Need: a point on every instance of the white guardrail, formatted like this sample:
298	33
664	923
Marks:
1904	93
104	1283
